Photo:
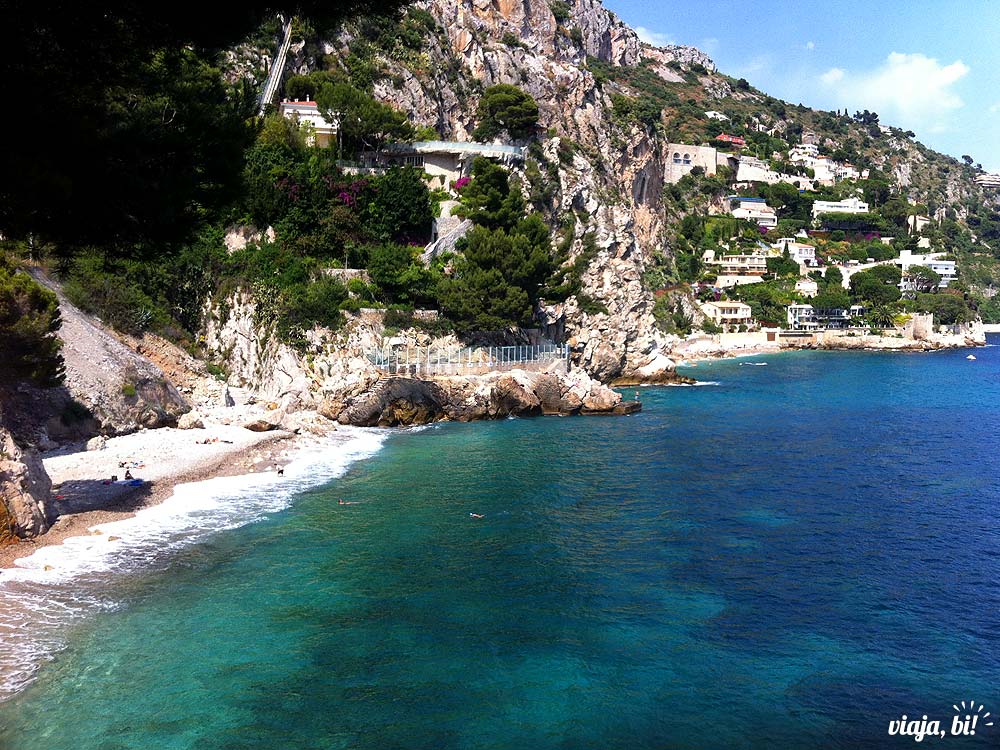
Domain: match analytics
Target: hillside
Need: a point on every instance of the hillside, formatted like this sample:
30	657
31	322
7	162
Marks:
609	105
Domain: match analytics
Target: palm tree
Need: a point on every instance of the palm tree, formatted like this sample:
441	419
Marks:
881	316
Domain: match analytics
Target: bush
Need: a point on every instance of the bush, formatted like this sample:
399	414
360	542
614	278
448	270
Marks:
29	319
560	11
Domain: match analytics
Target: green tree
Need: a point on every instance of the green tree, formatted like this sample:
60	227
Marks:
833	277
365	122
399	275
491	199
29	320
400	207
505	108
831	298
783	265
924	279
498	278
877	286
881	316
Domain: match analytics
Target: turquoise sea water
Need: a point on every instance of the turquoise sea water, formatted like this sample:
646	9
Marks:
791	558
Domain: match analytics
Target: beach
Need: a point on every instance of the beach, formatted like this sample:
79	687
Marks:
84	497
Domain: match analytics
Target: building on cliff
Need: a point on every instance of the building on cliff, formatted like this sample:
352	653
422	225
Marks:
322	132
445	162
755	209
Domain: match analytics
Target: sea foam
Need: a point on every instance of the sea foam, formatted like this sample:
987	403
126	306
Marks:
59	585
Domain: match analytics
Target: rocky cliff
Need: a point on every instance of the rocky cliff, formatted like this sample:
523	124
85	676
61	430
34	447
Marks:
24	490
606	174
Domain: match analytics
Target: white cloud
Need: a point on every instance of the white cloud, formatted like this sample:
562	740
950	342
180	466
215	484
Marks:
810	45
654	38
832	76
908	89
995	108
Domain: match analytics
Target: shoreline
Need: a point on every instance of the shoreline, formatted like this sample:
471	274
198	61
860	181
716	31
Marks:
239	451
76	474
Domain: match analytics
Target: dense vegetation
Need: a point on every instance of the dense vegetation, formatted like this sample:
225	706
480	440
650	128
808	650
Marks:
29	319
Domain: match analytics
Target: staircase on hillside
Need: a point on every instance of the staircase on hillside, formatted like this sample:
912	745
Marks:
277	69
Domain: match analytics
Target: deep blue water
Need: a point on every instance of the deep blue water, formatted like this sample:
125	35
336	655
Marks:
789	559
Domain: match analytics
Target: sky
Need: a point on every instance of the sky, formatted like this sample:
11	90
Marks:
929	66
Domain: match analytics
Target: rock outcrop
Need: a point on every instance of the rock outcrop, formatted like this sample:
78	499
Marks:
24	490
407	401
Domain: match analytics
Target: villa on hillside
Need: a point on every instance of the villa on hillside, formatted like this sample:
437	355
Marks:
750	169
713	115
755	209
987	180
807	318
444	162
846	206
807	287
735	140
945	268
728	313
685	157
307	113
799	252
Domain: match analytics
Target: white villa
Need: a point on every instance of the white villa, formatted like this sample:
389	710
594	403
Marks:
713	115
987	180
755	209
444	162
846	206
826	170
808	318
307	113
727	313
933	261
807	287
804	255
750	169
743	265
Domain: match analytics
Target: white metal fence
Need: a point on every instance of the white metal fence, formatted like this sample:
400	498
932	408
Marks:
425	361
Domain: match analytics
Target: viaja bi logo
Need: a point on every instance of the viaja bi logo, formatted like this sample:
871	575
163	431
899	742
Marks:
965	723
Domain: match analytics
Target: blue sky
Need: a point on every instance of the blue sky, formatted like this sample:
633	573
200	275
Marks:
930	67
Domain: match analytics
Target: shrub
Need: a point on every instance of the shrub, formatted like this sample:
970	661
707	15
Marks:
560	11
29	319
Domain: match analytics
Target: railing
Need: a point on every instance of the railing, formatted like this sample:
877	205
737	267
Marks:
427	362
277	69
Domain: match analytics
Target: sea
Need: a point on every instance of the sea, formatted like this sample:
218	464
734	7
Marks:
798	552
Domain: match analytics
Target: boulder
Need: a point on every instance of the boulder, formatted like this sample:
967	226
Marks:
190	421
512	398
397	402
601	399
96	443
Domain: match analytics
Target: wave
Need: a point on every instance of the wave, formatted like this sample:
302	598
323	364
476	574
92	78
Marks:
692	385
753	364
61	584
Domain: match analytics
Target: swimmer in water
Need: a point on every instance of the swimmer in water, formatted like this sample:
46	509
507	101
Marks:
477	515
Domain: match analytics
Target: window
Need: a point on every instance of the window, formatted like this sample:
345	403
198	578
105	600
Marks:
677	158
414	161
687	158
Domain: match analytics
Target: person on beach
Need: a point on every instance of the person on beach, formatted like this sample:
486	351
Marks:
281	470
128	474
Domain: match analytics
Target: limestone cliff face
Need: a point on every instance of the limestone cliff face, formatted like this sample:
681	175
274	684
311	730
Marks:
254	357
